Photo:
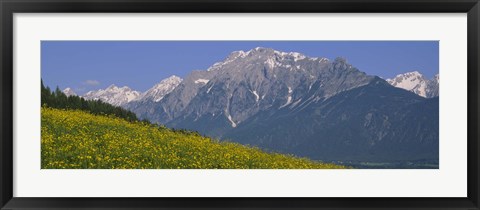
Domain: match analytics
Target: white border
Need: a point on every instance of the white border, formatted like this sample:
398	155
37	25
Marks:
448	181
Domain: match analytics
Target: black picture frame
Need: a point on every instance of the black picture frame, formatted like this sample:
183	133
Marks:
9	7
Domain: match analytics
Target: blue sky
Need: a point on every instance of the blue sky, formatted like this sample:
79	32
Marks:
91	65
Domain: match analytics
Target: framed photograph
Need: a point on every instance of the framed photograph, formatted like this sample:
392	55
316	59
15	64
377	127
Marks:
239	105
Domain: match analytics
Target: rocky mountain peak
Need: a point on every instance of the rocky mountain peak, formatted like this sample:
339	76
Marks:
340	63
414	81
237	54
261	54
171	79
164	87
69	92
112	87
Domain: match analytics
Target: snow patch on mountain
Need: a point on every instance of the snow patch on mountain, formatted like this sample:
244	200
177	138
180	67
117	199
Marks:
271	63
297	56
210	88
69	92
204	81
256	95
231	121
289	98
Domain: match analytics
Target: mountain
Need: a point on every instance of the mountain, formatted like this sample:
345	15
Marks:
375	122
157	92
417	83
249	82
69	92
306	106
114	95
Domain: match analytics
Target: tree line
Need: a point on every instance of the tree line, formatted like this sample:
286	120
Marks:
57	99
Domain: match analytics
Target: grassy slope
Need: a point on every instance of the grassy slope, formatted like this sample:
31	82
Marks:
76	139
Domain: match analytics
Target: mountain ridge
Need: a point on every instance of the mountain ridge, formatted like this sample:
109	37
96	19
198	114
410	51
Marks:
114	95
